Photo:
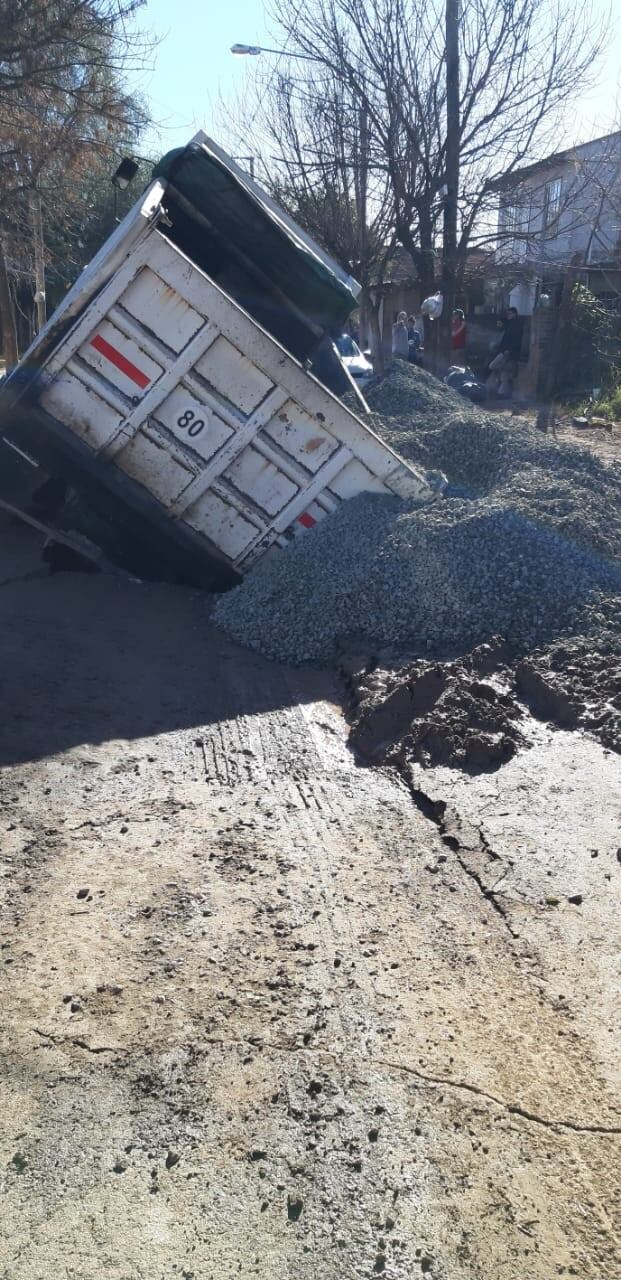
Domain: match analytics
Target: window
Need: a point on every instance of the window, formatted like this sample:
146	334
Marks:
511	218
552	201
514	226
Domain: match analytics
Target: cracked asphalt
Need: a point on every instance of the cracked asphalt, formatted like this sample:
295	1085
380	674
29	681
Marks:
263	1015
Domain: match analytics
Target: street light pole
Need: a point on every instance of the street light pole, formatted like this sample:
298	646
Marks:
254	51
36	218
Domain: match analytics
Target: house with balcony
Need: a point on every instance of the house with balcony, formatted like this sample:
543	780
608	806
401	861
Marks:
559	213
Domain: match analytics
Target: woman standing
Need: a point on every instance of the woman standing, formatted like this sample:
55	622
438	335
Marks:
458	330
400	343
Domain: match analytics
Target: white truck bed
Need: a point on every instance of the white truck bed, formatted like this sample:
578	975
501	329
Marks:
164	381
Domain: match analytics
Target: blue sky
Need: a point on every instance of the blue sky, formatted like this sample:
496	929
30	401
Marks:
193	66
193	63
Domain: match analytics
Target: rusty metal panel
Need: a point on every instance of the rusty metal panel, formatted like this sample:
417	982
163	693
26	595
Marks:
149	459
183	392
82	409
299	434
229	371
120	361
355	478
193	423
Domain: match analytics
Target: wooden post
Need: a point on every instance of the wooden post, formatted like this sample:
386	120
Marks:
36	218
7	315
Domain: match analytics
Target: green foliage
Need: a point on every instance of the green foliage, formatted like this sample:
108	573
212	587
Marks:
610	405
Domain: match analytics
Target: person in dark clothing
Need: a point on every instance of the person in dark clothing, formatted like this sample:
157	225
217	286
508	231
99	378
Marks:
414	342
511	340
503	367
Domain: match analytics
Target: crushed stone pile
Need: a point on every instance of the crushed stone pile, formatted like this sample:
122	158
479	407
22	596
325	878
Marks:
503	459
523	545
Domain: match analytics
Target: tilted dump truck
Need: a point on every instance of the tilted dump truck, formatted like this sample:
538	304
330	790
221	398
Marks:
182	388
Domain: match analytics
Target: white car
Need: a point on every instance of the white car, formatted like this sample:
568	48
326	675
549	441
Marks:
356	364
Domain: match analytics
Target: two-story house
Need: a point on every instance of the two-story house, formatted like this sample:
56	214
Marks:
559	212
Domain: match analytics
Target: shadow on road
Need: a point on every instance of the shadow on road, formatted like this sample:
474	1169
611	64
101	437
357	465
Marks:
89	659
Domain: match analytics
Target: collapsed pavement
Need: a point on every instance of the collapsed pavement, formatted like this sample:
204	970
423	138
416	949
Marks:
524	548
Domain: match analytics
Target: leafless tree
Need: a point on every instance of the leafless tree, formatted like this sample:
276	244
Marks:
311	139
520	62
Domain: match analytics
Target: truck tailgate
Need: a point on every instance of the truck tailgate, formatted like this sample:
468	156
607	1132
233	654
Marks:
168	380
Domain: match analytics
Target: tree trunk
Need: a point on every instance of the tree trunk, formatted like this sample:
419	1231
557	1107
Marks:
449	246
369	327
362	184
7	315
552	381
375	334
423	261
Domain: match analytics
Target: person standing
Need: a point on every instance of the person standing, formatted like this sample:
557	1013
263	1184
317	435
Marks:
400	342
414	341
459	330
503	367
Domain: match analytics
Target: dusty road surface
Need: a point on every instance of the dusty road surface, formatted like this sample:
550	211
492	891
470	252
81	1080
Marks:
261	1016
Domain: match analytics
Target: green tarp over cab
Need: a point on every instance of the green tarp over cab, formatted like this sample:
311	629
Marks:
244	219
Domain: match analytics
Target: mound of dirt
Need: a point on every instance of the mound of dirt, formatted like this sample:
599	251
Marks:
467	714
576	684
462	713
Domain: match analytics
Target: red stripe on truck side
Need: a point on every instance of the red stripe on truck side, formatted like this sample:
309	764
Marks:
117	358
307	520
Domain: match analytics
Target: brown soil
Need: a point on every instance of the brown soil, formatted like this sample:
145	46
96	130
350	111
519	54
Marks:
576	683
605	442
461	713
468	713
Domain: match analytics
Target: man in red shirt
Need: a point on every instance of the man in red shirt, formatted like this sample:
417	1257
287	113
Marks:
458	330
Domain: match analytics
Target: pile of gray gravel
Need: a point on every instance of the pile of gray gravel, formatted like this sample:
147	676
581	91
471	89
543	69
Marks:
506	459
523	546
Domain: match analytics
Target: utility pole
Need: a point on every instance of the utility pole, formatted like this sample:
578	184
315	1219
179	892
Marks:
361	187
36	218
363	174
449	246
